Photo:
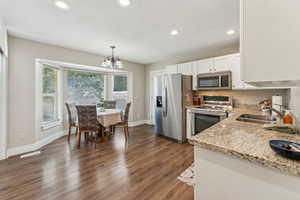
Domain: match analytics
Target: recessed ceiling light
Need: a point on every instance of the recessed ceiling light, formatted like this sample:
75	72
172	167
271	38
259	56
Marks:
62	5
231	32
124	3
174	32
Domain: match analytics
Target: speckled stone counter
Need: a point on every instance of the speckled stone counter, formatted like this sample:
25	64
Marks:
247	141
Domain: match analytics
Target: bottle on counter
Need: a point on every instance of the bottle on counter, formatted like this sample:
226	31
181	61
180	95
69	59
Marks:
288	117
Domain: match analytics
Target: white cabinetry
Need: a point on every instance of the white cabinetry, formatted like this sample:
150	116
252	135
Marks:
186	68
3	37
200	67
203	66
270	42
232	63
235	68
171	69
222	63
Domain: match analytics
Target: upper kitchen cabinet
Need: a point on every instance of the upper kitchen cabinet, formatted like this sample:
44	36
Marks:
270	43
222	63
199	67
171	69
231	63
3	37
185	68
203	66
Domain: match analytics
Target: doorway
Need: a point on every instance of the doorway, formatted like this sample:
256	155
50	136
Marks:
3	105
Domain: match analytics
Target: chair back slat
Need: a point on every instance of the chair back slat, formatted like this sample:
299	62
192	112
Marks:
72	114
87	117
126	113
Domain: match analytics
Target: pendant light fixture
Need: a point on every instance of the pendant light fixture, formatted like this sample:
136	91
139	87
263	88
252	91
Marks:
112	61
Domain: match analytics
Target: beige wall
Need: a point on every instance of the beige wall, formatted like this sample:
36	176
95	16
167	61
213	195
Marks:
205	53
22	84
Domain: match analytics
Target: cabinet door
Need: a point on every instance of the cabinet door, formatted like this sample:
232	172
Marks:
185	68
200	67
222	63
203	66
171	69
235	68
270	40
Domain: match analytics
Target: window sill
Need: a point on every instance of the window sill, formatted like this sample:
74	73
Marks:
50	125
120	92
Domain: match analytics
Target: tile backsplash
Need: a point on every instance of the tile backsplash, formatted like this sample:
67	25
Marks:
250	97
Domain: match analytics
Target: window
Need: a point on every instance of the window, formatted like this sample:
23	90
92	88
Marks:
50	95
120	83
120	91
85	87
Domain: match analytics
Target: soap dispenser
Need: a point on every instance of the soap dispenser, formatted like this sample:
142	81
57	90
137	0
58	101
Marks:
288	117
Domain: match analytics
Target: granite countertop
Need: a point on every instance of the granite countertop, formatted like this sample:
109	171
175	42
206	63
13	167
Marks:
247	141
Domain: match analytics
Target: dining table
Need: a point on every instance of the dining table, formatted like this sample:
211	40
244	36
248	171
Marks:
109	117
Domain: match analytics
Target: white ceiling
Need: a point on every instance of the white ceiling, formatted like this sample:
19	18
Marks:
141	31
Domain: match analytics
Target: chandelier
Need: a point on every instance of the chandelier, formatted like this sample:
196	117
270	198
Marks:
112	61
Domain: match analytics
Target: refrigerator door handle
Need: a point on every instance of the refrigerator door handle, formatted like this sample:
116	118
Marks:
165	105
166	93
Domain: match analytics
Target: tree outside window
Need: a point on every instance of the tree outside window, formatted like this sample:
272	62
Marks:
120	83
85	87
50	96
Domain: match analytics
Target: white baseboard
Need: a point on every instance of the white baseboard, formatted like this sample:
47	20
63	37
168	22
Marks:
148	122
35	146
136	123
139	123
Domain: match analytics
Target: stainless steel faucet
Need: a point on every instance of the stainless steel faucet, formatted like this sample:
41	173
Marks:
280	113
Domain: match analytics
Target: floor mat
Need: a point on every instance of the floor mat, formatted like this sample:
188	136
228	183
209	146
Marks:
188	176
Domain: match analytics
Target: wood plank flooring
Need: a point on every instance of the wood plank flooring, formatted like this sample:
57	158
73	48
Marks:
146	168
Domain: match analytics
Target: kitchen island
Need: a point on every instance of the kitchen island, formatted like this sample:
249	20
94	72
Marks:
233	160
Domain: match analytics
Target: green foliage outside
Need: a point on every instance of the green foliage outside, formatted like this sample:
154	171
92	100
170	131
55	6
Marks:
49	81
85	87
120	83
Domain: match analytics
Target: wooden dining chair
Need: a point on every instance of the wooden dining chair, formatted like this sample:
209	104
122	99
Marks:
124	123
88	123
72	118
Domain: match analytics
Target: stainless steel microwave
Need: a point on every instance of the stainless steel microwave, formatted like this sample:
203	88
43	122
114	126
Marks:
215	81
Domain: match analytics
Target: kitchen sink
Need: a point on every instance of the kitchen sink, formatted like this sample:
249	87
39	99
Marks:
259	119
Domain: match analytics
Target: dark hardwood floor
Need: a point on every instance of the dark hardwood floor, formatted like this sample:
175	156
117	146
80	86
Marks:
146	168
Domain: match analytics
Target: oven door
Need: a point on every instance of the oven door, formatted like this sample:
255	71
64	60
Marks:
204	121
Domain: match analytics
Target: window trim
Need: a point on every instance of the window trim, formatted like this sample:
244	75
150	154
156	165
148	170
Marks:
59	97
63	67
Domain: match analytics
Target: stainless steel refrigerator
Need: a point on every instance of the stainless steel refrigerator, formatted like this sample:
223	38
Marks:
176	95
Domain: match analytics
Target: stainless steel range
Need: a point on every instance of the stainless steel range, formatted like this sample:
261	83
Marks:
213	110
